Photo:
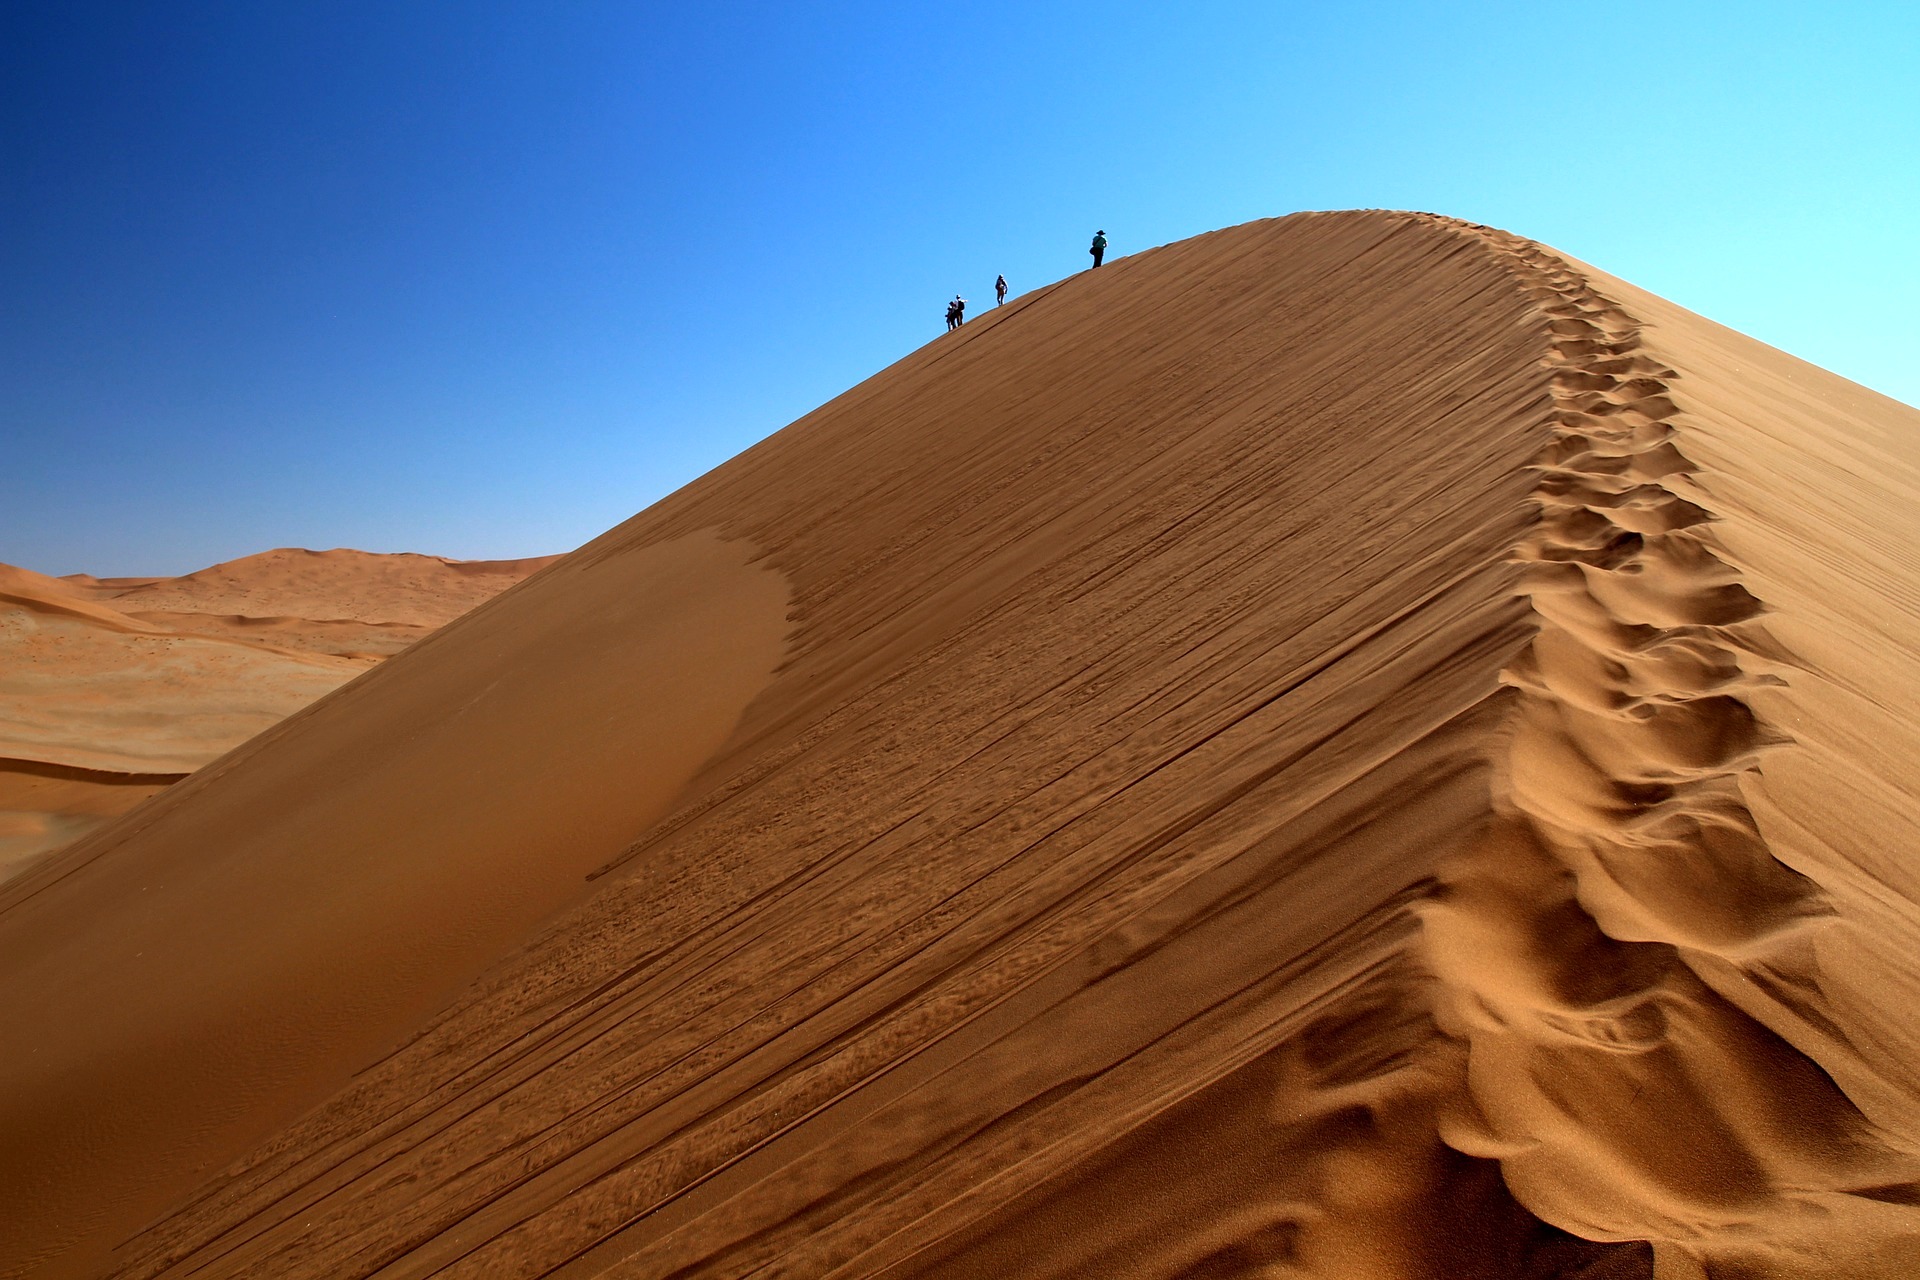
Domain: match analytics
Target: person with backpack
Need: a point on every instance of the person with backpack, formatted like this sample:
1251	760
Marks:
953	317
999	290
1099	249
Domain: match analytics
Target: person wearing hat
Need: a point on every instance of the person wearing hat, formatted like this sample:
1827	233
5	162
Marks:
999	290
956	312
1099	249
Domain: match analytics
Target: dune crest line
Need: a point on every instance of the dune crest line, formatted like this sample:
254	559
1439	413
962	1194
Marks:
1628	1089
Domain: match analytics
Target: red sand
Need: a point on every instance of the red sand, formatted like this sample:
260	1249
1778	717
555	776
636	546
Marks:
1348	746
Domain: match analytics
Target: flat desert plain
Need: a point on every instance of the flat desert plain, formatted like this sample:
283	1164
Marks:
1350	746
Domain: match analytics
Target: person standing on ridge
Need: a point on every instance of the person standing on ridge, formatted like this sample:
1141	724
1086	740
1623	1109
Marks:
999	290
953	317
1099	249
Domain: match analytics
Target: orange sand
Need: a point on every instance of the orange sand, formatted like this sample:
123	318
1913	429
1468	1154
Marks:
1351	746
111	689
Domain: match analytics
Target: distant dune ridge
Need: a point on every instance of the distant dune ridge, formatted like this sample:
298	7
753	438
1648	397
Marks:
1349	746
111	689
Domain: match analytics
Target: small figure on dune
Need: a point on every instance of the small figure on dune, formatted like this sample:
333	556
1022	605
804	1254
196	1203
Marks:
1099	249
956	312
999	290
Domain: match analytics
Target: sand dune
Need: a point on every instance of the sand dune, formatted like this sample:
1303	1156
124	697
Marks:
111	689
361	586
1351	746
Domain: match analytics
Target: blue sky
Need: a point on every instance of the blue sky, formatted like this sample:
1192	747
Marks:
483	279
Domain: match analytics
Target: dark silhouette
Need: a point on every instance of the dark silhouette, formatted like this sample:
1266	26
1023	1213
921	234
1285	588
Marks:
1099	249
999	290
956	312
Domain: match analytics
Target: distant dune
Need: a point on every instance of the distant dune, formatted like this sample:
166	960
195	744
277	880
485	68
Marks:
1349	746
111	689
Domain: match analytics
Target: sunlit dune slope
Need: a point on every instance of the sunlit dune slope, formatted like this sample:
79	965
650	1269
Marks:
1348	746
110	689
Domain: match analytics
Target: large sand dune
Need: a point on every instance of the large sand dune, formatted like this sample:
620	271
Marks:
1348	746
111	689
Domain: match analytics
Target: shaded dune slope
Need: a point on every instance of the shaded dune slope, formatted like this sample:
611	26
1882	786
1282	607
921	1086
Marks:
1321	749
234	948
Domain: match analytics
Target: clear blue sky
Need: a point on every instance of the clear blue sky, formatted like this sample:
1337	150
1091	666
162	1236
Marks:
483	279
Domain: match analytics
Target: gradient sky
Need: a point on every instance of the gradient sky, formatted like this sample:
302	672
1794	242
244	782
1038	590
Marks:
483	279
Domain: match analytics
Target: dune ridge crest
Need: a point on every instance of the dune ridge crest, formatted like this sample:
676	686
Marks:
1631	1086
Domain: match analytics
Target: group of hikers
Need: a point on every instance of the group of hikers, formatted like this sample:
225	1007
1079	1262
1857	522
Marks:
957	309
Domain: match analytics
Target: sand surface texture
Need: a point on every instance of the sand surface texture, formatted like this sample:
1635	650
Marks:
1351	746
111	689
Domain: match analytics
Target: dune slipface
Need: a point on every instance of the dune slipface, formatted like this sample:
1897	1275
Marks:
1348	746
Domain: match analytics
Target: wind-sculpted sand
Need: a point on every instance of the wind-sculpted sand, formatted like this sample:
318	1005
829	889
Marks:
112	689
1351	746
